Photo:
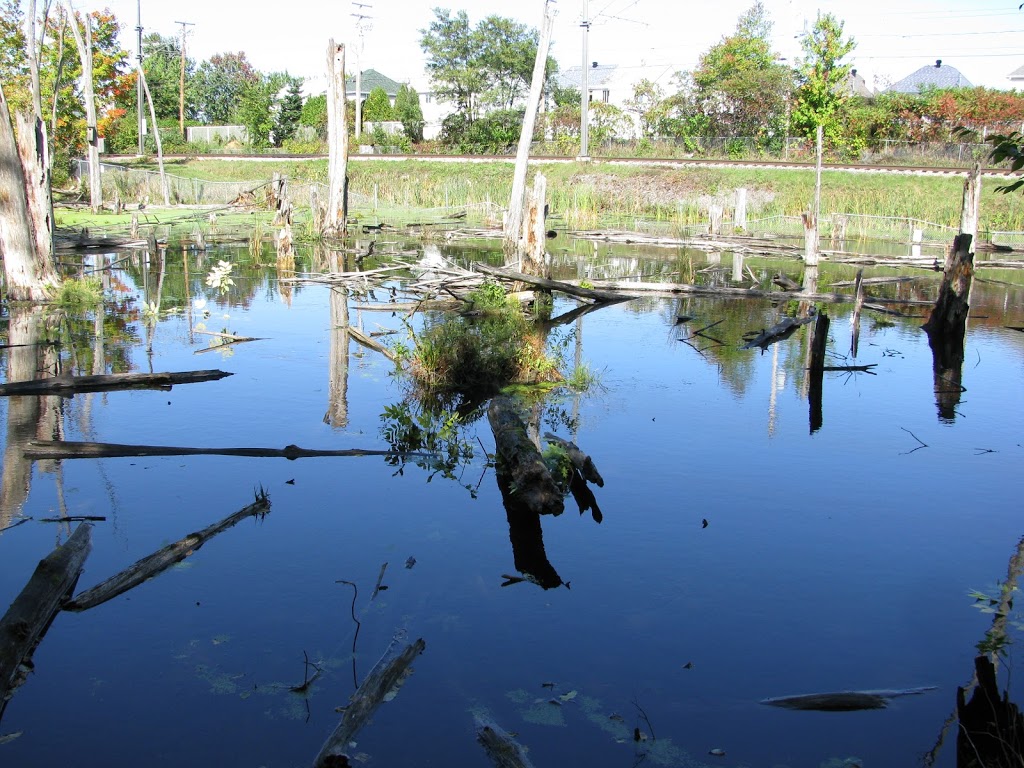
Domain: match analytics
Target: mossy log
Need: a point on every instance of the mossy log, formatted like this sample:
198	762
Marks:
162	559
533	488
579	459
386	675
502	750
32	611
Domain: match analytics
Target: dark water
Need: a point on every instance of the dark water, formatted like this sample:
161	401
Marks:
834	560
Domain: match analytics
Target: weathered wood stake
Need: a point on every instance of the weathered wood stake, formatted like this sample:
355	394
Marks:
739	217
337	141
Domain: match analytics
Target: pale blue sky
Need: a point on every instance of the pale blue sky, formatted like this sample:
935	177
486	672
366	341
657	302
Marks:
984	39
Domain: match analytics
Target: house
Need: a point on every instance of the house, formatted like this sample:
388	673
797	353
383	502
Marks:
937	75
1016	77
368	80
602	81
857	86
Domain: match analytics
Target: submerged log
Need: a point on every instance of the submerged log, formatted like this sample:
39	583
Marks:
843	701
518	458
70	385
32	611
387	674
579	459
781	330
502	750
62	449
162	559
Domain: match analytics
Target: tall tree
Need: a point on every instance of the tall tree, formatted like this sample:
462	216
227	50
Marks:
822	74
161	59
409	113
219	84
740	87
377	107
13	61
489	65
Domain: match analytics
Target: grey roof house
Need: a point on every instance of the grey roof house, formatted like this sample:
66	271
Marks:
600	80
370	79
1017	76
937	75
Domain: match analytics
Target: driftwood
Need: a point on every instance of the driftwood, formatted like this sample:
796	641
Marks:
781	330
579	459
32	611
62	449
386	675
162	559
70	385
227	340
551	285
369	343
502	750
843	701
518	459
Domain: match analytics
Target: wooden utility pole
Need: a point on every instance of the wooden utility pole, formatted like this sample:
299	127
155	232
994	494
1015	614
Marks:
181	81
337	141
514	223
585	90
360	18
84	45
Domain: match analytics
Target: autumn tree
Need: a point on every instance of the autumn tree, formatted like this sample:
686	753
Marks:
822	91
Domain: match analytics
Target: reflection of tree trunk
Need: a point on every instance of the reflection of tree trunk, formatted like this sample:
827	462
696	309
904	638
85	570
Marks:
28	417
527	538
947	327
816	373
337	406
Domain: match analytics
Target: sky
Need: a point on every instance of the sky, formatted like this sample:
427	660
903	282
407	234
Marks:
984	39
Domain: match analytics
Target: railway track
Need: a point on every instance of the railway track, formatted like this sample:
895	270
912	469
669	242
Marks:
906	170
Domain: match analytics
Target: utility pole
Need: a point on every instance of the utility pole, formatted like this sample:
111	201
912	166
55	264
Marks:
585	90
181	86
140	93
361	26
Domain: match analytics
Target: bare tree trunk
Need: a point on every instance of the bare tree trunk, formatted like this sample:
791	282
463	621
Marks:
34	153
972	203
33	60
337	140
30	277
514	223
84	44
156	137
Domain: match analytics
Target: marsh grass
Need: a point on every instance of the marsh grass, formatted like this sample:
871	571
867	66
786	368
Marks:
79	293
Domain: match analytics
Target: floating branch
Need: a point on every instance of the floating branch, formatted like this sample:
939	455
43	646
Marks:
781	330
70	385
551	285
386	675
502	750
32	611
161	560
61	449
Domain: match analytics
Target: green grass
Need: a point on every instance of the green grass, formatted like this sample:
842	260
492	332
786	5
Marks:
595	194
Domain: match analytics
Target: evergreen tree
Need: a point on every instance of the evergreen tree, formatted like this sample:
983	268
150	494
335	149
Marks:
289	112
408	112
377	107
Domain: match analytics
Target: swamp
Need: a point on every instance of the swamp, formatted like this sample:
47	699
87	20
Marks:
756	567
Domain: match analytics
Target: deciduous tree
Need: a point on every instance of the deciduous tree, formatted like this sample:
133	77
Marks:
409	113
822	91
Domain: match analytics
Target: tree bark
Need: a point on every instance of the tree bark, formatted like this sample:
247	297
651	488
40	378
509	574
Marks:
34	151
30	275
337	141
535	489
84	44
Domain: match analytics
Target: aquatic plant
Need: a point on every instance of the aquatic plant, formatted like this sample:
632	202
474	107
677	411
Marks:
79	293
219	276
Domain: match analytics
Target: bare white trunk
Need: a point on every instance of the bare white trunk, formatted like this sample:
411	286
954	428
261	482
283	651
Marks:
972	203
34	153
84	45
514	222
337	139
156	136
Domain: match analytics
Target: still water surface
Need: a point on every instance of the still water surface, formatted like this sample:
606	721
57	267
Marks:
835	560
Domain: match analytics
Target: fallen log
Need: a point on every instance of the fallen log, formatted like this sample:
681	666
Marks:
227	340
70	385
32	611
518	459
158	562
781	330
502	750
626	288
369	343
843	701
579	459
550	285
387	674
63	449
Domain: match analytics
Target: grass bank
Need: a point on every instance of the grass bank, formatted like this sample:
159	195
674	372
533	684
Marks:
598	194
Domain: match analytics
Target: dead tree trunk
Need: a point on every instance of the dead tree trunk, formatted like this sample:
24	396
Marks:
84	45
991	733
532	244
514	222
32	611
739	216
156	137
972	203
30	275
947	327
518	457
337	141
810	239
34	151
819	338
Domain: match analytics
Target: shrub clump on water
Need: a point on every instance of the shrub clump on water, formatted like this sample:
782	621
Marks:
481	351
